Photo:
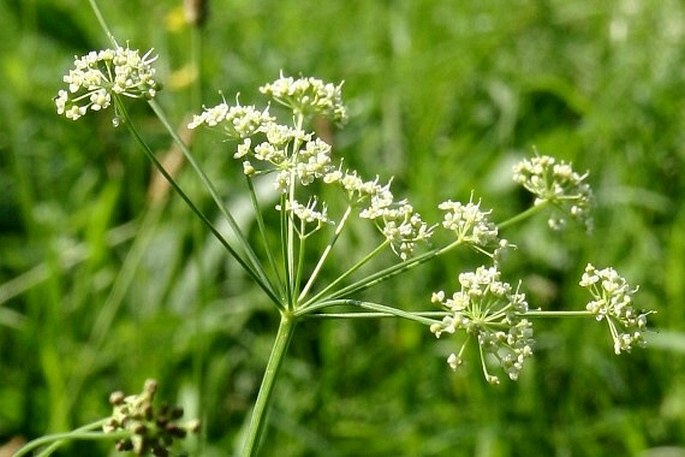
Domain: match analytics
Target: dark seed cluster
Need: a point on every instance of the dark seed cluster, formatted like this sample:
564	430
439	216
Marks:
153	430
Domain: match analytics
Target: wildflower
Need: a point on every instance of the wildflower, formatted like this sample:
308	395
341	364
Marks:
558	184
281	135
307	164
308	96
402	227
313	162
152	429
308	214
238	122
358	190
470	224
296	157
613	303
97	76
488	310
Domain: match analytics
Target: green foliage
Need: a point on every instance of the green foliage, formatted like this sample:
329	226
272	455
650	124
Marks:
106	279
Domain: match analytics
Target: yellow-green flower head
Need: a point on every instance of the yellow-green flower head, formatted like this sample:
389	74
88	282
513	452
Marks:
97	76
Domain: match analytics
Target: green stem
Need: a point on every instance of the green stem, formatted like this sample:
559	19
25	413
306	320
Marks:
259	414
252	258
262	231
247	267
325	253
372	315
301	249
343	276
284	253
538	314
290	239
57	439
382	275
523	215
384	310
101	19
290	246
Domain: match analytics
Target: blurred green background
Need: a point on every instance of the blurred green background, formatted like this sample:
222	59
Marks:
105	280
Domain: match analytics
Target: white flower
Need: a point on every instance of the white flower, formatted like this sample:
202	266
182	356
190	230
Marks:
308	96
98	75
237	122
397	221
613	303
469	222
307	214
489	310
558	184
313	162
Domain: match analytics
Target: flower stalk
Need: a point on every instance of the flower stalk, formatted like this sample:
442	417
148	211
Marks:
55	440
259	418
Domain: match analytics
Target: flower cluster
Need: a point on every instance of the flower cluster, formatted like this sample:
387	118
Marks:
488	310
307	214
401	226
287	151
297	157
152	430
238	122
280	153
308	96
97	76
556	183
469	223
613	303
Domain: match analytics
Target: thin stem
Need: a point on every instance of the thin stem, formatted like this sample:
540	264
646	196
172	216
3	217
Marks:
290	243
377	307
384	274
252	258
523	215
262	231
101	19
370	315
284	253
259	413
257	277
290	246
539	314
343	276
57	439
302	244
324	255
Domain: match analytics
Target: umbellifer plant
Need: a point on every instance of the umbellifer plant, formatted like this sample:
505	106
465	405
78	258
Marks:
482	309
